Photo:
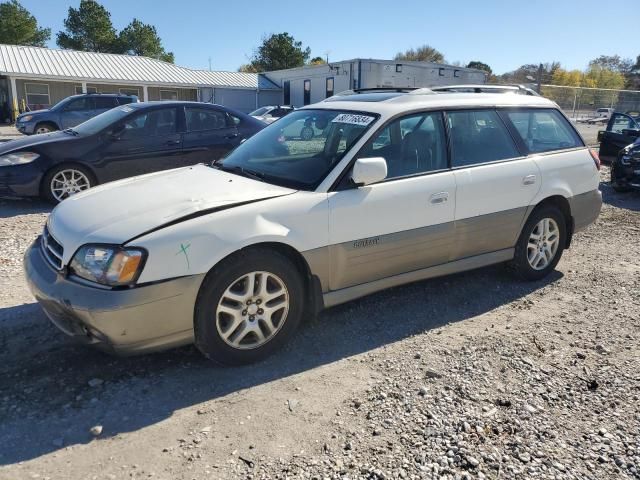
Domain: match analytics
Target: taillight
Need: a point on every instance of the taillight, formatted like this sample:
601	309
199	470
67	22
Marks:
596	157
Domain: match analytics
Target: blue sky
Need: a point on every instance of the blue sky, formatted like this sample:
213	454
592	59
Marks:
502	34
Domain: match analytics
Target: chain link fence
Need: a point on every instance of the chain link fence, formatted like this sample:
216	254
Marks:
582	103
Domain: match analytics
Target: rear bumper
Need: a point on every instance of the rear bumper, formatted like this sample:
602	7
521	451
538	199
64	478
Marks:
585	209
125	322
20	180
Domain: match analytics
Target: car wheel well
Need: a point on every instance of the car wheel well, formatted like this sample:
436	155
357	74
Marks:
562	204
312	287
81	166
46	122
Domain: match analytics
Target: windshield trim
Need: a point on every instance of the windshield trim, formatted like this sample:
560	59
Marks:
311	187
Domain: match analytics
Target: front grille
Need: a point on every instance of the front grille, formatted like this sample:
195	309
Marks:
51	249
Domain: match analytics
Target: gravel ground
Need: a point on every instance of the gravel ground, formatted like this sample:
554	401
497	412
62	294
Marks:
475	375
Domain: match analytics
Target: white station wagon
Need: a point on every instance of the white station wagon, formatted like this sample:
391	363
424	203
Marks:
398	187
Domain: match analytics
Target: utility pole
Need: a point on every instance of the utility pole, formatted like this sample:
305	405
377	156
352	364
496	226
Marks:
209	63
539	79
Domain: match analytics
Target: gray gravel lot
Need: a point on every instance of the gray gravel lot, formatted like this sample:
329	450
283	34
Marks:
475	375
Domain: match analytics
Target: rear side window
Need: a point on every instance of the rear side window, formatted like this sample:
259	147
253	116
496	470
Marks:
479	136
544	130
199	119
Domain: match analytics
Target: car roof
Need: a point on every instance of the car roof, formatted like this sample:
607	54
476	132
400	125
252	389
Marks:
397	102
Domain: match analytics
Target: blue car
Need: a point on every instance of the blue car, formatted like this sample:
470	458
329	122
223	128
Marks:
70	112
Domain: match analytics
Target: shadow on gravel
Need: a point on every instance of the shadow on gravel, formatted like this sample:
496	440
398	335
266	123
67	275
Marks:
625	200
47	404
13	207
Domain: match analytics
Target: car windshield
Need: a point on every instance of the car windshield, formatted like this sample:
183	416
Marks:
102	121
299	150
259	112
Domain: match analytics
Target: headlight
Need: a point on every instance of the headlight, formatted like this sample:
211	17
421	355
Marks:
625	159
18	158
108	265
26	118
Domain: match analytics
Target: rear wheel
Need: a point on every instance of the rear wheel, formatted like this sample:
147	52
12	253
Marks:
64	181
541	243
248	307
45	128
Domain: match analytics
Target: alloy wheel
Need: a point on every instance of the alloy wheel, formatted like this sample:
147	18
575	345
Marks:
543	243
252	310
68	182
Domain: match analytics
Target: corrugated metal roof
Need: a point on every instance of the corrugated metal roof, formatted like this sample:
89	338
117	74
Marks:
89	66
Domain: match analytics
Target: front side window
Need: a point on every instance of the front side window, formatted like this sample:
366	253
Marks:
543	130
152	123
79	104
103	103
411	145
620	122
300	149
478	136
199	119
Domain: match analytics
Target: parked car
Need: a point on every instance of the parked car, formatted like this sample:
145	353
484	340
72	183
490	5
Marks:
625	169
126	141
70	112
234	255
622	130
272	113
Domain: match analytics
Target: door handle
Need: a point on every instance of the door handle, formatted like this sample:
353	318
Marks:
173	142
529	180
231	135
440	197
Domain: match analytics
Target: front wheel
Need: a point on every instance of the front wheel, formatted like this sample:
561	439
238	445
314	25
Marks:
541	243
64	181
614	181
45	128
248	307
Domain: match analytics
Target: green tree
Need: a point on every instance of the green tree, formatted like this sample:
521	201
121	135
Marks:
480	66
89	28
138	38
19	27
278	52
247	68
425	53
317	61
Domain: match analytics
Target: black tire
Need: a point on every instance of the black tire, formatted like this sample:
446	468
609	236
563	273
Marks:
307	133
520	263
45	187
222	276
45	127
614	182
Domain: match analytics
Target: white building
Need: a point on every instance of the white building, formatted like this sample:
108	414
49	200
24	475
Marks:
311	84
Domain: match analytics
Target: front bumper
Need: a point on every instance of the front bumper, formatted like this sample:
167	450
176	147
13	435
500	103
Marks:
25	127
20	180
125	322
627	176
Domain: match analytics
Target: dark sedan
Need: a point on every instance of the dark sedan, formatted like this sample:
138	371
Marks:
126	141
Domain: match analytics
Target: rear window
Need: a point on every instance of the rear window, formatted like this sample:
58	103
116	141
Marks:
105	102
544	130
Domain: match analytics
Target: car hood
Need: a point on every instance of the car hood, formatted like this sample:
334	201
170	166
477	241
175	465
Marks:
25	143
119	211
33	112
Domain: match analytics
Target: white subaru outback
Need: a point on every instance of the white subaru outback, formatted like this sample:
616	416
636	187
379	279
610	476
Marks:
399	187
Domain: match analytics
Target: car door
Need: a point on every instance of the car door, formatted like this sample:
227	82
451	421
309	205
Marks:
76	111
404	223
146	141
210	135
495	183
617	135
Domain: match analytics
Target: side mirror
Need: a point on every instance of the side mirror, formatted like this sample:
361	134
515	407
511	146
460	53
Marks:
117	132
369	170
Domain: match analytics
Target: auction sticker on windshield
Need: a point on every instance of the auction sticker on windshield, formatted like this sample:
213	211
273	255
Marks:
353	119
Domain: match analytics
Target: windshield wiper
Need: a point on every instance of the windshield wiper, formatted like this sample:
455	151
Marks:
71	131
238	170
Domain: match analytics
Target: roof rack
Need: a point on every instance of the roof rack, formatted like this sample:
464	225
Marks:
382	89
